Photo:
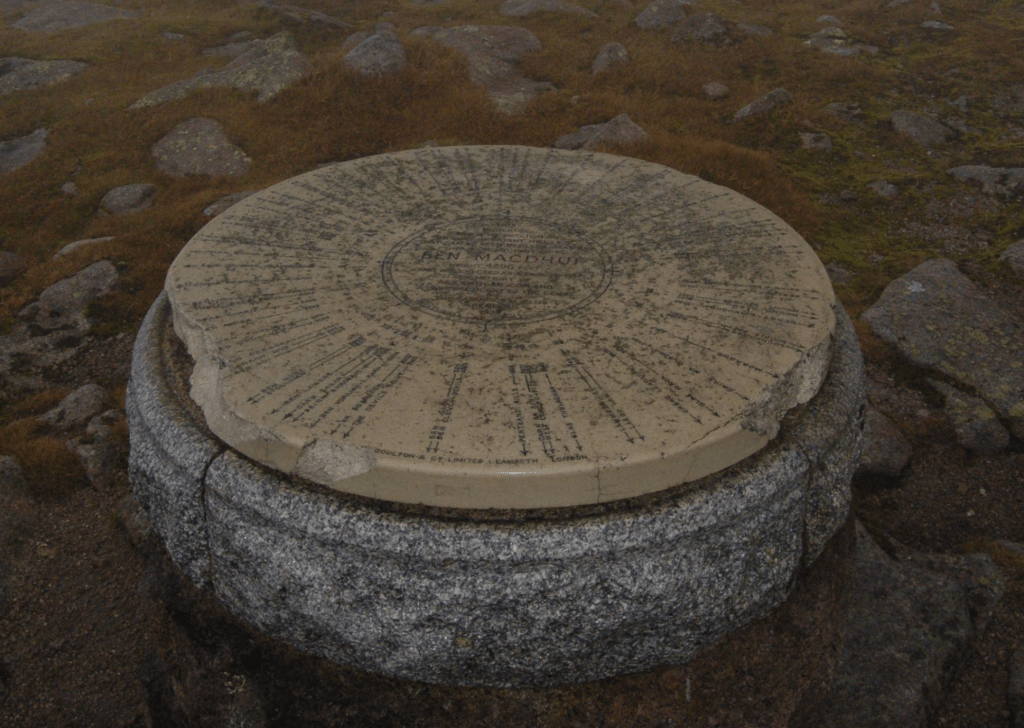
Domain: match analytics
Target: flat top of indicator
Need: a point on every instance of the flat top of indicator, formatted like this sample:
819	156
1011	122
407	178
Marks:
500	327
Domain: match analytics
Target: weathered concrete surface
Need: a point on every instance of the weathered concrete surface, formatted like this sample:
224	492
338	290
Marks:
940	320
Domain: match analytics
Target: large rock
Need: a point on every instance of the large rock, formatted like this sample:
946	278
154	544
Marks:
977	427
940	320
16	153
492	52
77	408
908	625
199	146
706	28
764	104
51	18
886	449
661	13
266	68
61	307
379	55
620	130
919	128
611	54
1005	182
23	74
99	448
127	199
520	8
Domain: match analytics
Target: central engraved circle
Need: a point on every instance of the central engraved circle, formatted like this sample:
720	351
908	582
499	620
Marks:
497	270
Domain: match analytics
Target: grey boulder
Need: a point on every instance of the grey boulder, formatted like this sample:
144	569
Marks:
199	146
977	427
52	18
266	69
919	128
764	104
661	13
521	8
1014	257
16	153
1005	182
938	319
619	131
77	408
611	54
62	305
23	74
886	449
127	199
379	55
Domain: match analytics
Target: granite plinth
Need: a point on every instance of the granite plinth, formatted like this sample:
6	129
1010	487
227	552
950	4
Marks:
491	597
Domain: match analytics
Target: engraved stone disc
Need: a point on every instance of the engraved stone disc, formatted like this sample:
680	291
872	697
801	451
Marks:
500	327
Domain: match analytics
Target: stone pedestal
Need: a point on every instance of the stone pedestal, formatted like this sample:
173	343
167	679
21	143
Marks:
500	417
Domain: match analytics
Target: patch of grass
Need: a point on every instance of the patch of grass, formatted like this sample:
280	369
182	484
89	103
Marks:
35	404
50	468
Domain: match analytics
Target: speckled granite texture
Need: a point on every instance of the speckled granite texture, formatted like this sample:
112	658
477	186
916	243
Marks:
507	599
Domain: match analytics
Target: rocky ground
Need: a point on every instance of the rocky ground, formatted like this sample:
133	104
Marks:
890	134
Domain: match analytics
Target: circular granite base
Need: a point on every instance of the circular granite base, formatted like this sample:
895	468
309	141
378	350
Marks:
491	598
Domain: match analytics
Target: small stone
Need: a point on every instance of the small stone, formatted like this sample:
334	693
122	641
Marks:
425	31
1005	182
977	427
883	188
226	202
919	128
172	36
886	449
12	266
22	74
98	450
936	25
831	20
619	131
760	31
128	199
232	49
302	15
69	188
764	104
52	18
818	142
838	274
62	305
16	153
521	8
961	102
844	110
703	27
72	247
77	408
661	13
609	55
384	25
848	196
199	146
715	90
379	55
1014	257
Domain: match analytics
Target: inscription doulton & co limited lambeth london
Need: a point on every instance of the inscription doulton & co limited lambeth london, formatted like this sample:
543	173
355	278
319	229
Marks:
500	327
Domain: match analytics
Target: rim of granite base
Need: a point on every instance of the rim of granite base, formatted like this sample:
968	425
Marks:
517	599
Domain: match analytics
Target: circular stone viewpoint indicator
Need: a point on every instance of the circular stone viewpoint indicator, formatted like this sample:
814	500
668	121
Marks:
500	327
